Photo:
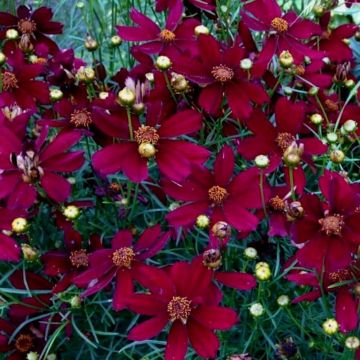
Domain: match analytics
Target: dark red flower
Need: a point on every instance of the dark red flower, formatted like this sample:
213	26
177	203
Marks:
123	261
286	32
19	85
25	165
219	72
329	231
184	297
33	27
207	5
176	36
174	157
217	194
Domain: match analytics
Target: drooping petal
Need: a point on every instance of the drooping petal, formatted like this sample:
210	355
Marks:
148	329
123	289
177	342
56	187
215	317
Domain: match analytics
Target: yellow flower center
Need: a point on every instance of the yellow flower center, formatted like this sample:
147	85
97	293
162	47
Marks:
179	308
79	258
9	81
217	194
167	35
279	24
332	225
123	257
222	73
81	118
27	26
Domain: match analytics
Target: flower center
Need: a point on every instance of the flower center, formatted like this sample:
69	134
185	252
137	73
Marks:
167	35
300	70
179	308
217	194
279	24
24	343
222	73
331	105
28	163
332	224
146	134
9	81
277	204
79	258
341	275
284	140
123	257
81	118
27	26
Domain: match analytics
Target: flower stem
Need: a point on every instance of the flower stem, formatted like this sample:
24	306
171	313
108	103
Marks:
168	84
292	187
261	183
128	113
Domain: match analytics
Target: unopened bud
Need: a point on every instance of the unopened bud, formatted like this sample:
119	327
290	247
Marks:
126	97
163	63
201	29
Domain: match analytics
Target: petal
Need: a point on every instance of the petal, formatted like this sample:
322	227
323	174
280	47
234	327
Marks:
9	249
64	162
186	215
174	15
236	280
239	218
123	289
224	165
146	304
148	329
123	238
177	342
284	123
56	187
215	317
211	97
346	310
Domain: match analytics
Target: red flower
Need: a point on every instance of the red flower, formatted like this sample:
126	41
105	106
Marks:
25	165
174	157
19	85
33	27
285	32
184	297
217	194
176	35
273	141
207	5
123	262
218	71
330	230
341	282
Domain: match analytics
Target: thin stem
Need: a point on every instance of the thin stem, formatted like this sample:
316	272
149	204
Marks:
261	183
292	188
131	132
168	84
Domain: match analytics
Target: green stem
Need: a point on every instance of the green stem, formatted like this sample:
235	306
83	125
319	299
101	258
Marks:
292	187
131	132
168	84
261	183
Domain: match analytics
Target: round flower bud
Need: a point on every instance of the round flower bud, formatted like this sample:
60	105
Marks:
352	342
2	58
286	59
103	95
126	97
212	259
80	4
201	29
71	212
262	273
11	34
29	253
138	108
71	180
292	160
337	156
283	300
246	64
318	10
256	310
221	229
85	74
262	161
19	225
179	83
202	221
149	77
262	264
51	357
32	355
91	44
75	302
163	62
316	119
115	41
331	138
313	91
56	94
349	126
350	83
330	326
146	150
250	253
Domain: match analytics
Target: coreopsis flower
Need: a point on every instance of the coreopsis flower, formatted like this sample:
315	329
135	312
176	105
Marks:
156	141
19	84
218	194
34	26
343	282
26	165
218	71
123	262
183	297
285	32
177	35
328	230
73	259
282	139
207	5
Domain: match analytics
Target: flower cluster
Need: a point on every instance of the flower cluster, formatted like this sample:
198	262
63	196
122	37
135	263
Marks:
132	191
